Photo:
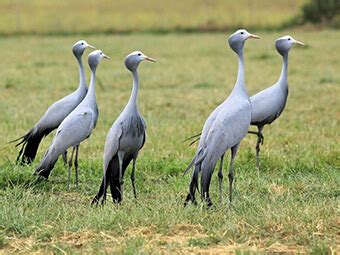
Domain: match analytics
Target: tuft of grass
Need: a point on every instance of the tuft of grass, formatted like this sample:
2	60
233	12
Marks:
327	79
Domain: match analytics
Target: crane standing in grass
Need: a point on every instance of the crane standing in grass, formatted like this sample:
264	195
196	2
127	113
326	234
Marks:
224	129
268	104
76	127
55	114
124	140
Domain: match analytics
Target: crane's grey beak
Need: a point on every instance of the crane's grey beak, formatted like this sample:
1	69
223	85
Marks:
91	47
298	42
253	36
107	57
149	59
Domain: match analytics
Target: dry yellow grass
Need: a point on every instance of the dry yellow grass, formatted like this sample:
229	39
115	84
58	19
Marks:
166	244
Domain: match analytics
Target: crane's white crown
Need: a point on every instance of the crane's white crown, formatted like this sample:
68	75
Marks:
240	32
95	57
80	43
284	44
236	40
80	46
133	59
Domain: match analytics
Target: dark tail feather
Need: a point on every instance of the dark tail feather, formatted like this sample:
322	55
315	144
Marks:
192	137
46	165
114	181
189	166
21	137
102	189
207	172
112	178
30	143
193	186
194	141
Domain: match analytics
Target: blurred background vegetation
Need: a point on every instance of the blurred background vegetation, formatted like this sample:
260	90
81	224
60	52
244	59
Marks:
108	16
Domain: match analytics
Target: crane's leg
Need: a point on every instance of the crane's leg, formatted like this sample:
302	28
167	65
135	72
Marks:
65	157
133	175
259	141
69	169
220	177
121	158
231	171
76	165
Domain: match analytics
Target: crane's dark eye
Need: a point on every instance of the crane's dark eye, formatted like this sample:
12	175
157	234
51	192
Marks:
242	33
82	43
101	53
288	39
139	54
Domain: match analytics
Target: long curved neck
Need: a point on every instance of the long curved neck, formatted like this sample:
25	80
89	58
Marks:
240	84
134	94
283	77
91	94
82	79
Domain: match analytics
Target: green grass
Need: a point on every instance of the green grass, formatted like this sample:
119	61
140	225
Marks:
292	205
76	16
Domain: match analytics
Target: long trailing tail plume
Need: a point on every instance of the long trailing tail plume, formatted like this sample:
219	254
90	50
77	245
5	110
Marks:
193	139
111	178
29	145
193	186
46	165
102	188
197	162
207	171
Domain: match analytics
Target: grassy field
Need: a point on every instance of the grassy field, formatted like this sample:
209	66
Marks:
292	206
39	16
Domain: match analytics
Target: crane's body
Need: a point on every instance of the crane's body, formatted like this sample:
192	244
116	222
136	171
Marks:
76	127
224	129
124	140
56	113
268	104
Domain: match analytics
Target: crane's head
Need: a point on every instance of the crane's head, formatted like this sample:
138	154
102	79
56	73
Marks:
237	39
95	57
133	59
80	46
283	44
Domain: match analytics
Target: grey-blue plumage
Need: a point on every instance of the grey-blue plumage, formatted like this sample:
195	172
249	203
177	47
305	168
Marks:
124	140
76	127
56	113
268	104
224	128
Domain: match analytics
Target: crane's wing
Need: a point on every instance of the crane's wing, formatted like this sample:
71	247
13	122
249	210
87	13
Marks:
229	128
73	130
144	133
58	111
199	156
267	105
112	142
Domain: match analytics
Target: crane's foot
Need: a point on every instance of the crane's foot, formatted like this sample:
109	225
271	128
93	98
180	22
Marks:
261	138
189	199
94	201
